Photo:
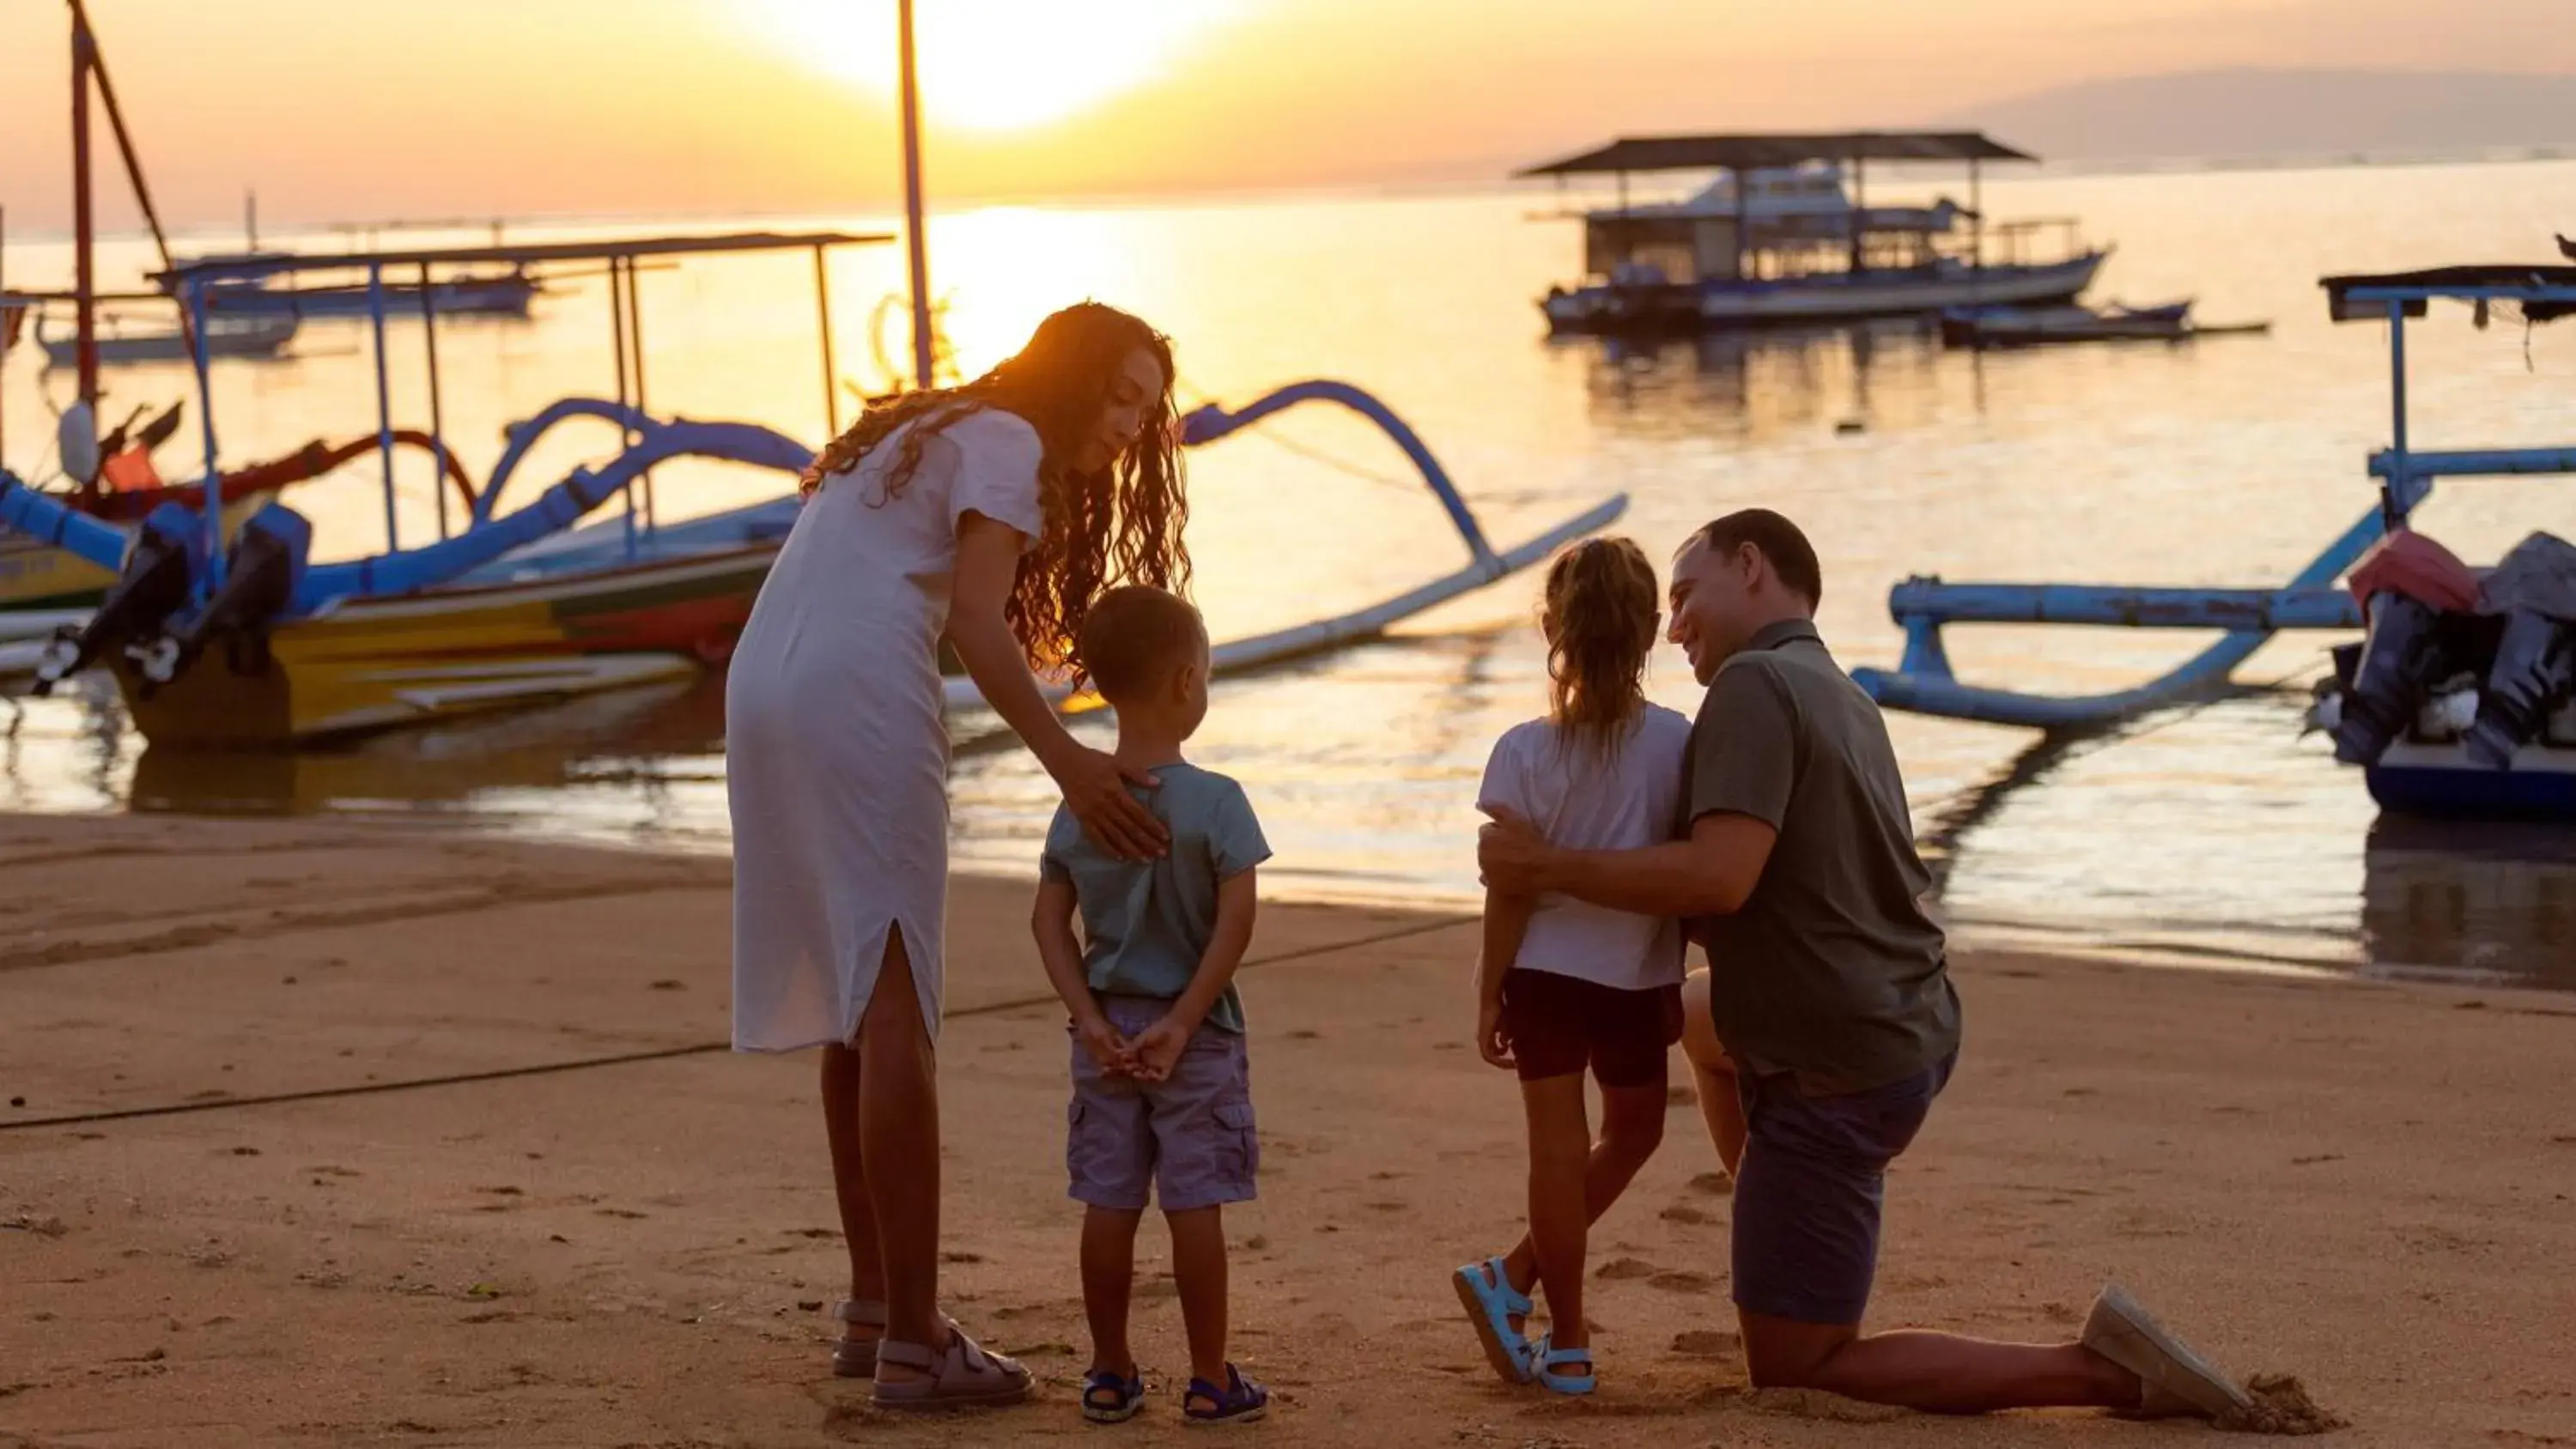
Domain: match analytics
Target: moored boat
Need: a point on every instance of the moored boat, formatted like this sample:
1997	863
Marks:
233	337
2459	699
1778	239
2007	327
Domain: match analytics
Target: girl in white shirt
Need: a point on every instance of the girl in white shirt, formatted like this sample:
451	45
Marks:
1562	986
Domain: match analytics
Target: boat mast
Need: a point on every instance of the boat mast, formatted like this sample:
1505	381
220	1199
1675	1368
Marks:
85	283
924	350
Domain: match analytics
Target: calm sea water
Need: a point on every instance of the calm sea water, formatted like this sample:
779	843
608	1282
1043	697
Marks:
2213	832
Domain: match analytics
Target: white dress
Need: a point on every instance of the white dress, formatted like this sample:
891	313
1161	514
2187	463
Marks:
836	759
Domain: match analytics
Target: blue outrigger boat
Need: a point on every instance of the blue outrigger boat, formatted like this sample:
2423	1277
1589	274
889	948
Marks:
2465	715
247	640
225	636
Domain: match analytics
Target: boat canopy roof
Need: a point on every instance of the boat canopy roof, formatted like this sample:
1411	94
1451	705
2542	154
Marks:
2546	291
252	267
1753	150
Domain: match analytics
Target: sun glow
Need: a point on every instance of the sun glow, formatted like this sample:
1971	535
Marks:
998	65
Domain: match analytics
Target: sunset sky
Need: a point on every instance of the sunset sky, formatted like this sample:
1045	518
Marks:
337	109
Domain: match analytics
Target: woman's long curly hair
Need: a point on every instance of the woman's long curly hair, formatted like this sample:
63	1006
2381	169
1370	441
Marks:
1600	616
1120	525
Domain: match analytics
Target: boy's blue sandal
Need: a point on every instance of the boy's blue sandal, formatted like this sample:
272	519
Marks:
1486	1292
1241	1401
1109	1398
1550	1358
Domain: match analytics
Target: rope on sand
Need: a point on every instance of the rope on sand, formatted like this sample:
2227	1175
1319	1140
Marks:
579	1064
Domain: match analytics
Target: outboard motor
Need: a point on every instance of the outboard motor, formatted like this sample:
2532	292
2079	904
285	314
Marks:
260	575
2535	668
159	574
2398	661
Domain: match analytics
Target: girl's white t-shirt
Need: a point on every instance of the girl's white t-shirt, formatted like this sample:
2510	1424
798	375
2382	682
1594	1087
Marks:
1583	799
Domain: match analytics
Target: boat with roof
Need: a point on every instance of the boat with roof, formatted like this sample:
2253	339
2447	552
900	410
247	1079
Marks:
1786	235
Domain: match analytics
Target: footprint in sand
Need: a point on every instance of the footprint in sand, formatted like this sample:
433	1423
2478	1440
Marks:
1818	1405
1717	1184
1682	1282
1682	1212
1706	1343
1618	1269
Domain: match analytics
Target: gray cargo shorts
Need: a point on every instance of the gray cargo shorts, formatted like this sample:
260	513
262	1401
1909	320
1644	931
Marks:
1189	1137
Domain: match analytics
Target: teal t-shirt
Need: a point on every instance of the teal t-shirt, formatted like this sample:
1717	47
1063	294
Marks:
1146	923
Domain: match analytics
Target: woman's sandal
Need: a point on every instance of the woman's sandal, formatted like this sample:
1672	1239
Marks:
1550	1358
1109	1398
1486	1292
961	1376
1241	1401
856	1358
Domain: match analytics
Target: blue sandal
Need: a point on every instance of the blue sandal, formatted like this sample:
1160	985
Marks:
1241	1402
1486	1292
1490	1303
1110	1398
1551	1358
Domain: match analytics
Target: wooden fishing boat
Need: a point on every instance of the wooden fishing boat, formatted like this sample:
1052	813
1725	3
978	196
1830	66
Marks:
2463	711
447	653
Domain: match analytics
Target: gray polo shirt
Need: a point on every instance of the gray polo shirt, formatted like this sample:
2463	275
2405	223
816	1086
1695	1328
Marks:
1832	969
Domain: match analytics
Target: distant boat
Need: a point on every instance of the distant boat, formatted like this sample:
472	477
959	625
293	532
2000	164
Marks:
2001	327
508	293
1781	238
225	337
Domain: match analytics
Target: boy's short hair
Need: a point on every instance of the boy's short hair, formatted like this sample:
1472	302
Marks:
1134	637
1791	556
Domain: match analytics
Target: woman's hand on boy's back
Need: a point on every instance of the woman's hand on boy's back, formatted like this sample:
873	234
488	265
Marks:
1094	786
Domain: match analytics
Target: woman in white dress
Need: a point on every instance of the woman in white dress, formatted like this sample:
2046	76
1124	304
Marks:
992	512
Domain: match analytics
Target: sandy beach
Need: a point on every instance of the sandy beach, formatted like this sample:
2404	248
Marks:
459	1157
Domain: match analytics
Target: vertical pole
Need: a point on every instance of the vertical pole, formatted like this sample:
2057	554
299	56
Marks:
823	306
84	228
1743	220
250	220
437	415
1977	219
2397	500
925	357
384	399
617	340
195	299
1859	206
635	341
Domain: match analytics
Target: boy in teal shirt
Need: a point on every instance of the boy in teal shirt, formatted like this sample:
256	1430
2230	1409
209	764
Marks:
1162	1090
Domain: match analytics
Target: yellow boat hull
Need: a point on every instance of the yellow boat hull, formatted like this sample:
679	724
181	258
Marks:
449	653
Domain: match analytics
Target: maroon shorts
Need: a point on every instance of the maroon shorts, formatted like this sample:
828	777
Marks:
1561	1024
